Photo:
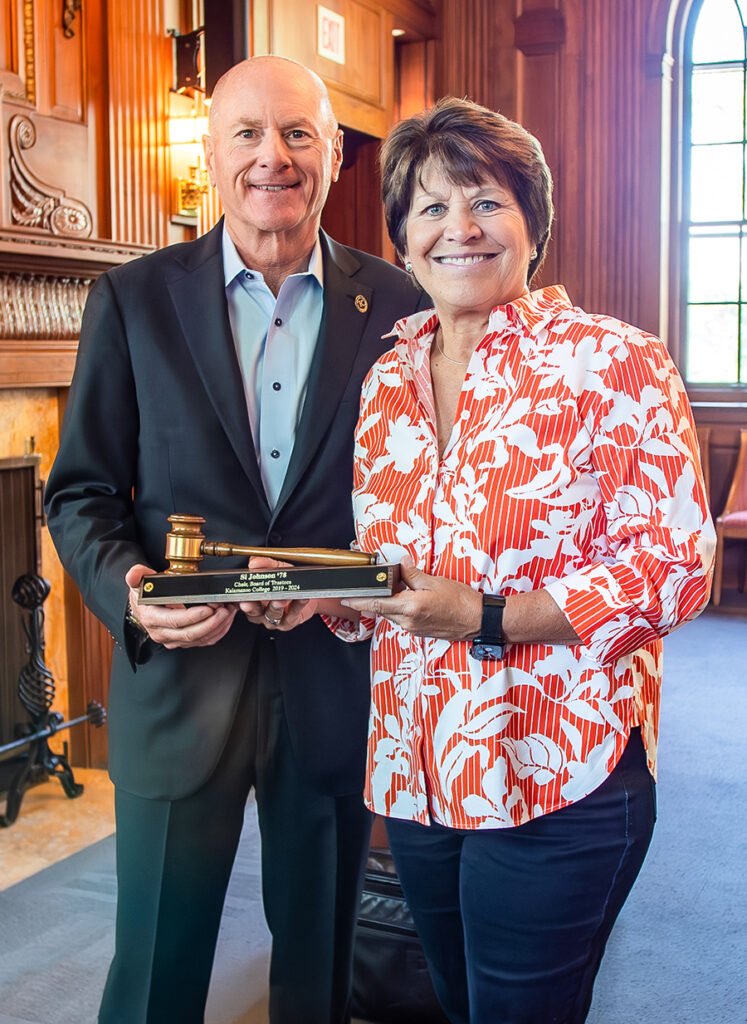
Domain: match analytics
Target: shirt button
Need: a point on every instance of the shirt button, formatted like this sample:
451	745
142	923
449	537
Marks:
248	276
278	322
276	385
275	453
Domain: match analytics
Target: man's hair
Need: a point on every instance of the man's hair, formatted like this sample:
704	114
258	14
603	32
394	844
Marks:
467	143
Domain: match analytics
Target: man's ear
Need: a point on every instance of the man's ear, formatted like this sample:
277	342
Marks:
207	145
337	154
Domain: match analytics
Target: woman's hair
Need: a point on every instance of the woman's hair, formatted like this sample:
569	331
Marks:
468	143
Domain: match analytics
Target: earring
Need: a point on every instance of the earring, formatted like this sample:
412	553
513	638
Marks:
533	254
408	267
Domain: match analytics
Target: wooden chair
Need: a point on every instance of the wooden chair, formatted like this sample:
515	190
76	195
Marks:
732	523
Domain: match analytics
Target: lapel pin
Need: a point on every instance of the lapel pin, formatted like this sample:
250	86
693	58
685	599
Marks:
361	303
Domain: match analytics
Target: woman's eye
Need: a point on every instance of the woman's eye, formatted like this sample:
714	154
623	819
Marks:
488	205
434	209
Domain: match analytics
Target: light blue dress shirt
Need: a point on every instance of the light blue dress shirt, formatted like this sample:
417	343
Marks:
275	341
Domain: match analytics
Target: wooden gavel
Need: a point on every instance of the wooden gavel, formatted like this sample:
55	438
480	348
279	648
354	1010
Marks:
186	547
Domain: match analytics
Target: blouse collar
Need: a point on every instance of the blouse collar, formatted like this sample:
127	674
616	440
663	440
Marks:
535	311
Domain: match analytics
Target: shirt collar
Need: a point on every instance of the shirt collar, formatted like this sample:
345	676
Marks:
233	265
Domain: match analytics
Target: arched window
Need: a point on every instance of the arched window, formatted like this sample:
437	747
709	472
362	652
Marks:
714	210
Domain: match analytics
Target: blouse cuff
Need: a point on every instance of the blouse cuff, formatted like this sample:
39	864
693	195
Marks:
599	611
349	631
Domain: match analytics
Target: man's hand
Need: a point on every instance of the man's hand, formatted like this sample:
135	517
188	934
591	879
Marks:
430	606
173	625
282	615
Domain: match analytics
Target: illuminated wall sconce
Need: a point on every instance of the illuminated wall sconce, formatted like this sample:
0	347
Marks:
187	124
187	164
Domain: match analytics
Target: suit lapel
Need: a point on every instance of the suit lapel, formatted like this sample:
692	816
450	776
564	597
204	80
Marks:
340	334
197	289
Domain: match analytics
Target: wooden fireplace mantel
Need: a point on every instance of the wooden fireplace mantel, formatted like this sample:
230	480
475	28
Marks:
44	283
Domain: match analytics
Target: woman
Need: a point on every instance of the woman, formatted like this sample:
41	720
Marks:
535	470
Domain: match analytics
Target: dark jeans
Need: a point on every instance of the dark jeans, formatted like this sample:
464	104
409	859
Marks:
514	921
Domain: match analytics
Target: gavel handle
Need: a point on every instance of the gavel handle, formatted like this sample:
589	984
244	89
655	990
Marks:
297	556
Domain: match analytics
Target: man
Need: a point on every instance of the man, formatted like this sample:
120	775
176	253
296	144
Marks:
222	377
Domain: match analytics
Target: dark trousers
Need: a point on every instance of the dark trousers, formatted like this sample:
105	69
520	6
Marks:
174	860
514	921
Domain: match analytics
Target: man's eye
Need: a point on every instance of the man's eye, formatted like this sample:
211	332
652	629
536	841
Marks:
297	134
247	133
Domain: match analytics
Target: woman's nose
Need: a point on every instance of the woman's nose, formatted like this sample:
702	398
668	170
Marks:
461	225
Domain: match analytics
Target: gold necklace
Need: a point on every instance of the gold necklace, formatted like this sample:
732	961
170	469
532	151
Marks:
457	362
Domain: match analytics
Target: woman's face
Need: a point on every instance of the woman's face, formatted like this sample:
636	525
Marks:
468	244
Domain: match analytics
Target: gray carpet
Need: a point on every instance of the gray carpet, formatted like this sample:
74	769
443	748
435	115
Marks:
676	956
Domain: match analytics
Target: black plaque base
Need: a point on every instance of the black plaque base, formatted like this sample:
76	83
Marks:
271	584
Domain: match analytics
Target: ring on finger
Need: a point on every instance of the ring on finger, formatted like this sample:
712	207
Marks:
273	622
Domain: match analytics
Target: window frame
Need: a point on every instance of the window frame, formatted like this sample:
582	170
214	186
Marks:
718	393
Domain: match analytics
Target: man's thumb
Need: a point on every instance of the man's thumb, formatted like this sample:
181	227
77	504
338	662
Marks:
135	573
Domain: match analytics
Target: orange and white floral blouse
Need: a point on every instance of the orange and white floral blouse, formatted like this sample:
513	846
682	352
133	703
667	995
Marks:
573	467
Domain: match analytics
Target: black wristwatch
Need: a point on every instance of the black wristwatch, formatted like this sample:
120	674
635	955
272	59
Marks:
490	643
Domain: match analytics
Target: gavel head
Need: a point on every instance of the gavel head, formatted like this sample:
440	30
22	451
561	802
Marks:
184	545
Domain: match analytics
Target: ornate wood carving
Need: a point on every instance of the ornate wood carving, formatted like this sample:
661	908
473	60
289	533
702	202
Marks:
35	203
69	9
44	282
38	306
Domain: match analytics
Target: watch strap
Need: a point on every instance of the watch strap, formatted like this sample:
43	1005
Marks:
491	627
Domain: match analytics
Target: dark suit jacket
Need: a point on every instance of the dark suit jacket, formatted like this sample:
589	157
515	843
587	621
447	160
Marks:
156	423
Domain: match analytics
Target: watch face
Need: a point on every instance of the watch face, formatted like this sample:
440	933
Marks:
484	650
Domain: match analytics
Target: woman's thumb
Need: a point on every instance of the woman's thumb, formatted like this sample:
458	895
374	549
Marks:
409	571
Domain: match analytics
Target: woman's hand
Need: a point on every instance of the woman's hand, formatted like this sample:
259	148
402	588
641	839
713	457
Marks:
431	606
282	615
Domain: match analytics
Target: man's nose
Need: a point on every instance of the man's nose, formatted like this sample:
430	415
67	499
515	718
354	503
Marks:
273	151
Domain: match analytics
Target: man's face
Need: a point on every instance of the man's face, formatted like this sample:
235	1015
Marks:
273	151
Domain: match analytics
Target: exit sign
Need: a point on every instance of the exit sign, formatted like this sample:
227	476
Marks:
330	35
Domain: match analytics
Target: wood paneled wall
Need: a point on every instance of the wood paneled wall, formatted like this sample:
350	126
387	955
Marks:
597	82
139	75
578	75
